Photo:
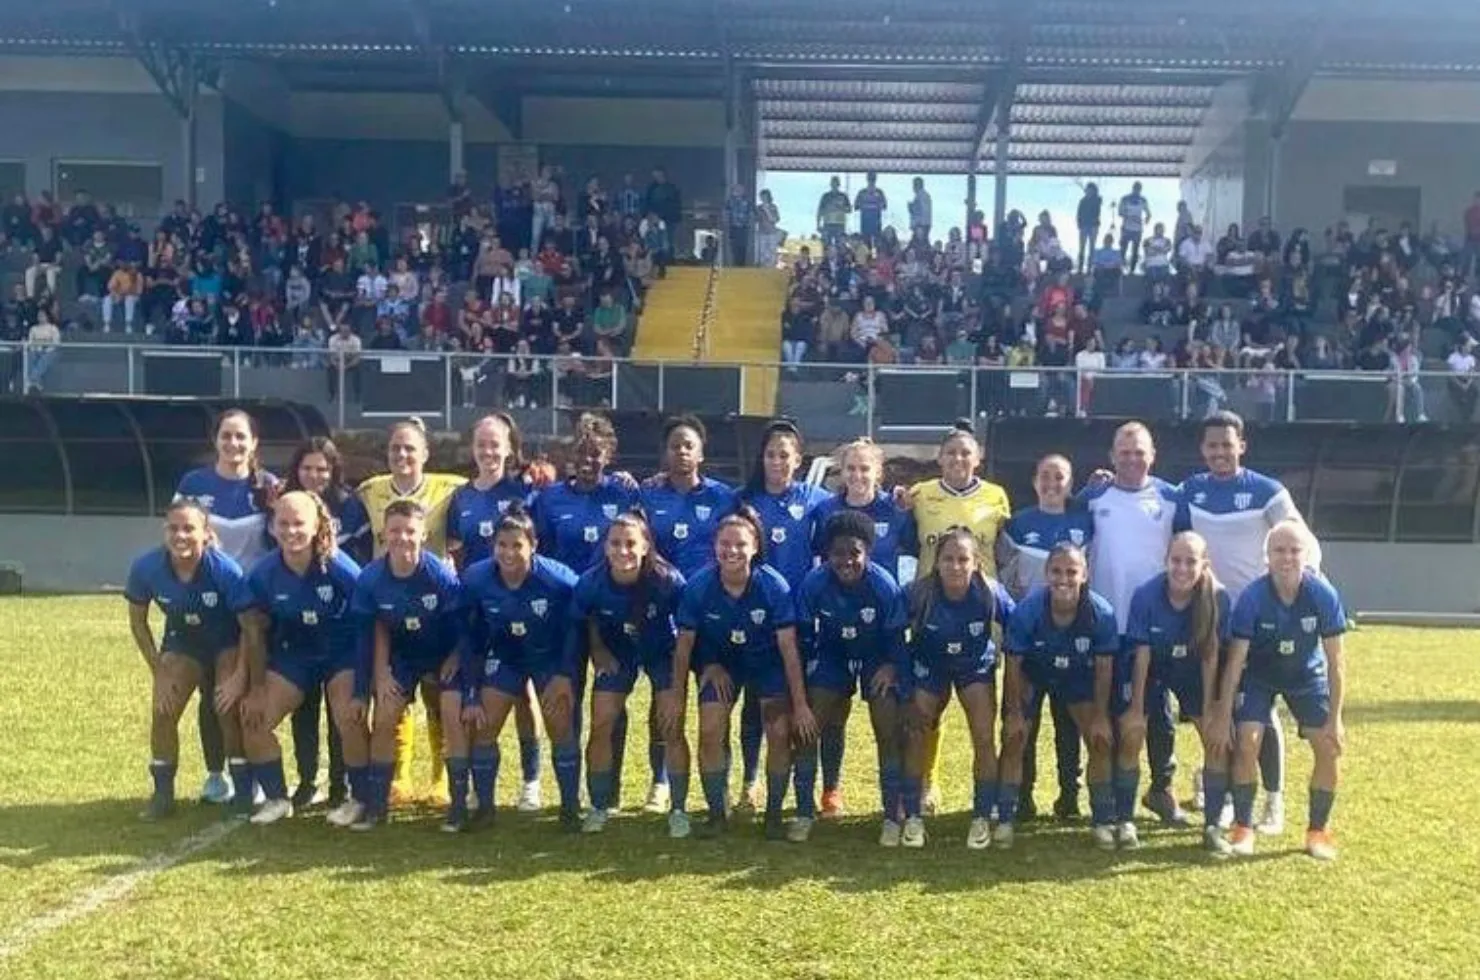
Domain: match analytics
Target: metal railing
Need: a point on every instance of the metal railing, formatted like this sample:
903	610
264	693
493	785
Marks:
842	400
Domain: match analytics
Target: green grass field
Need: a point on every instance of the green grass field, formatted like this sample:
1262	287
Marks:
524	901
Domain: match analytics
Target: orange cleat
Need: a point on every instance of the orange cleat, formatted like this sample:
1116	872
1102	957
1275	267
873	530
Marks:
1320	845
832	804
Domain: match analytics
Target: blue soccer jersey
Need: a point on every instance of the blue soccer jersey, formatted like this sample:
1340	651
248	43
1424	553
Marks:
572	523
951	641
635	622
683	523
200	616
519	633
1029	536
789	520
1167	632
1234	515
739	634
312	632
1061	660
472	515
423	612
240	526
1285	650
847	632
889	520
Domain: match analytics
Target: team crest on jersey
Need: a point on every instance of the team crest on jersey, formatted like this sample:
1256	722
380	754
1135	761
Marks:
325	593
412	624
517	628
680	532
867	614
953	649
977	628
310	618
921	670
1152	509
609	511
1243	500
1308	623
1179	651
778	535
430	601
192	619
485	529
1081	644
589	533
503	507
652	610
629	629
737	637
539	607
881	529
757	616
1287	648
702	511
1076	536
209	599
796	511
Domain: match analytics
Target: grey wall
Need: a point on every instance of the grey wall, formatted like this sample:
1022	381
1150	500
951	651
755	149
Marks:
253	150
40	127
61	554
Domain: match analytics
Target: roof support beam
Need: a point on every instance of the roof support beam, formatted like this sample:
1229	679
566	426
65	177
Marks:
451	86
1001	87
1277	93
175	70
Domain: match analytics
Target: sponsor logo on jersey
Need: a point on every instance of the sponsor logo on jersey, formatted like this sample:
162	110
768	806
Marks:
1199	498
1032	537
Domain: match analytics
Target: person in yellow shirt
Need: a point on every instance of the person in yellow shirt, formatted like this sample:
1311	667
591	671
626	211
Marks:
958	498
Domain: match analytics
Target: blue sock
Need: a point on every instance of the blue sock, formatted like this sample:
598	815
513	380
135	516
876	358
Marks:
163	774
751	733
984	794
889	778
529	759
714	791
242	784
380	787
457	786
832	744
1272	758
1215	789
775	792
909	794
359	783
1007	802
1243	804
1321	801
679	799
658	762
484	766
806	781
568	776
619	755
599	788
1126	782
270	776
1101	804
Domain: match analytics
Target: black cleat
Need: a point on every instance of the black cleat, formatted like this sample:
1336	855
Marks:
304	795
774	828
158	808
717	825
1066	808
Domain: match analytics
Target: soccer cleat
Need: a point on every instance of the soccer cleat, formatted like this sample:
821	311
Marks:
241	806
1241	841
1002	836
217	789
1162	803
570	821
979	836
679	826
305	796
832	804
890	833
1320	845
454	823
1104	836
595	822
158	808
913	834
337	795
529	797
750	799
799	830
403	793
346	814
657	798
271	812
1027	810
1272	820
930	801
480	820
774	828
1065	808
714	826
1128	838
1215	843
369	820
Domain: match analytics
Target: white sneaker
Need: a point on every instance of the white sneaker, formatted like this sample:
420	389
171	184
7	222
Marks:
1225	817
678	824
1215	843
1198	800
595	822
529	797
217	788
1002	836
889	834
657	798
1129	839
259	797
799	830
1271	822
271	812
345	814
913	834
979	836
930	802
1104	836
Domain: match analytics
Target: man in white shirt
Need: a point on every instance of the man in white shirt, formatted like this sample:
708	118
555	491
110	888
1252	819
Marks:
344	351
43	341
1158	247
1195	257
1134	213
1462	390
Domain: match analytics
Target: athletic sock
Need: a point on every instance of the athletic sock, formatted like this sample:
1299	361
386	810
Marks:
242	785
910	792
983	795
1125	782
380	787
714	791
775	792
1321	801
599	788
889	778
269	775
568	776
1007	802
658	762
679	798
457	785
751	734
484	767
806	781
1101	804
163	774
359	783
1272	757
619	756
1243	804
529	759
1215	790
833	743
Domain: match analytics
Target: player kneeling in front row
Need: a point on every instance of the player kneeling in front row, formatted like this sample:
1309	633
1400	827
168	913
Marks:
1063	639
302	593
1287	642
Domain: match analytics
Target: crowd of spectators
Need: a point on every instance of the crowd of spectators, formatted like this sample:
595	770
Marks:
548	274
1247	309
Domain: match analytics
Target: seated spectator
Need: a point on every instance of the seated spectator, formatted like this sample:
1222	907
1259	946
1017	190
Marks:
1298	304
1209	394
961	350
125	286
385	337
1190	308
954	306
1463	392
344	359
297	291
568	325
526	377
1087	363
46	262
929	351
798	333
1374	356
833	328
307	341
394	307
1195	258
1321	356
1125	357
1224	330
569	369
505	325
405	279
1084	325
882	353
1264	242
1265	312
1060	293
1157	259
916	315
1237	265
869	324
43	343
1158	308
1106	266
609	321
427	339
337	287
1151	356
1296	256
537	327
231	328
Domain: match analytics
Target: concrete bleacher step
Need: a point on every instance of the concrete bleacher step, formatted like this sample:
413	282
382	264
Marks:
670	315
747	330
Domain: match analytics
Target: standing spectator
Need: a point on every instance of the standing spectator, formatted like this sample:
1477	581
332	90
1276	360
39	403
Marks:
1462	391
1134	213
870	203
920	213
1407	387
832	214
1158	255
663	199
1469	263
1088	219
124	286
768	235
1088	362
17	223
97	267
544	194
1184	224
629	198
654	232
344	358
43	342
524	377
592	202
739	225
46	260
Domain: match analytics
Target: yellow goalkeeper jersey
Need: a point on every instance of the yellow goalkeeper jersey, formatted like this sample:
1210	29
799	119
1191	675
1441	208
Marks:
434	494
983	507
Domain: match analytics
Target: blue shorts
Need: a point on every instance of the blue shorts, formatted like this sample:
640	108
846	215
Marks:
307	674
1183	678
761	680
510	678
1071	688
658	667
1309	702
844	676
409	673
940	676
204	650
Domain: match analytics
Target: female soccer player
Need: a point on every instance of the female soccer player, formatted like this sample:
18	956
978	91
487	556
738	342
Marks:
1026	540
1179	626
953	611
958	498
317	468
303	590
684	506
1287	642
204	597
410	609
624	606
520	617
862	466
236	492
787	509
737	628
472	515
1063	638
851	620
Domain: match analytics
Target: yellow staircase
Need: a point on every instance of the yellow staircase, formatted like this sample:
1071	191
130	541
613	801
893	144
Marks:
671	315
747	330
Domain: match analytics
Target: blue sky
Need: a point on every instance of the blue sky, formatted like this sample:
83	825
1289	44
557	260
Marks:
796	196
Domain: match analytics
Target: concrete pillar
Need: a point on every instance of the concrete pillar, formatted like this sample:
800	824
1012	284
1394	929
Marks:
999	161
456	154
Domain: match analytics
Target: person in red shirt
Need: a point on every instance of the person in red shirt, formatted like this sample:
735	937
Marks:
1058	294
435	313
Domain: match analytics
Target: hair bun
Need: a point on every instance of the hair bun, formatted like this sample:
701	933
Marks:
964	425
